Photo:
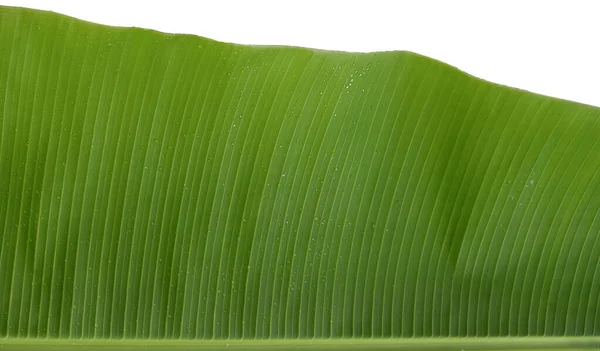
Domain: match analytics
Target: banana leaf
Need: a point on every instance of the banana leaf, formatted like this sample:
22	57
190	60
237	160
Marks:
166	191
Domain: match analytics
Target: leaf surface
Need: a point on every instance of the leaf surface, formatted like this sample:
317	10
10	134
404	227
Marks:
163	188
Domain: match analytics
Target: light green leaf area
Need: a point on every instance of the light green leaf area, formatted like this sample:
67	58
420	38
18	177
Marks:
173	191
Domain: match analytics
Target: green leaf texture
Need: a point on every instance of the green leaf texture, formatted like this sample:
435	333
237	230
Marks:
158	186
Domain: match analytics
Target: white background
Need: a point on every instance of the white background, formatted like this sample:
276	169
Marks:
548	47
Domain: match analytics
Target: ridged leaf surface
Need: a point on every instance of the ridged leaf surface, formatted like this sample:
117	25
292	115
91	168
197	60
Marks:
159	186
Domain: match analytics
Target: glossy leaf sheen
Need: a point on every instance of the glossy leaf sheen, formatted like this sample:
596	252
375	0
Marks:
159	186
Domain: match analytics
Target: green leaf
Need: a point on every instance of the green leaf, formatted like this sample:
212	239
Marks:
173	191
